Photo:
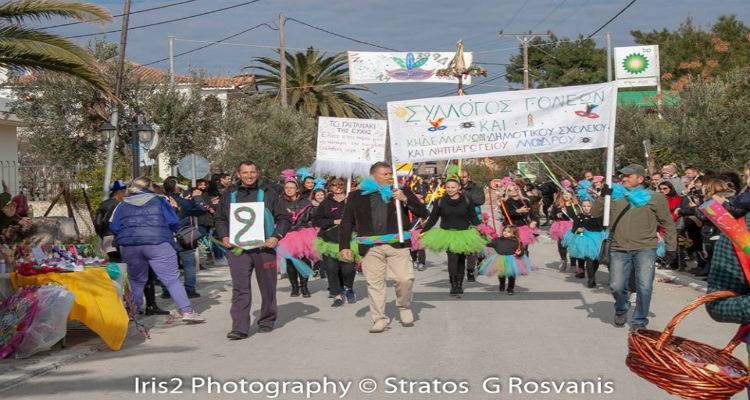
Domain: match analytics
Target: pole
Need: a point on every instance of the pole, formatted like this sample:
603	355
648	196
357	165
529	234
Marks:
282	60
658	86
609	56
399	217
348	185
114	118
610	157
171	60
136	154
192	165
526	62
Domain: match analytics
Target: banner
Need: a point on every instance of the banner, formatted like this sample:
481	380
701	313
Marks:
637	66
502	124
246	225
349	146
417	66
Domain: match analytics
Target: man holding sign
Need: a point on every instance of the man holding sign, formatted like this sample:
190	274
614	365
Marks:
371	212
260	256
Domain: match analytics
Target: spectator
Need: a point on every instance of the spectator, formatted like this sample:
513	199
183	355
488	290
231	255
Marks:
669	173
104	215
656	178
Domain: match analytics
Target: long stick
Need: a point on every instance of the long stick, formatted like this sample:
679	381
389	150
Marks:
399	217
610	157
348	185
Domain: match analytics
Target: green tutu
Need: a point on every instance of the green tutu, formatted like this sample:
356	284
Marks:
467	241
332	249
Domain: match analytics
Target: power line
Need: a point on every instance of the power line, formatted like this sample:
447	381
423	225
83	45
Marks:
340	35
120	15
266	24
613	18
168	21
552	11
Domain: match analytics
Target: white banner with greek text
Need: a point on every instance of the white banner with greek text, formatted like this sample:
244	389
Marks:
503	123
348	146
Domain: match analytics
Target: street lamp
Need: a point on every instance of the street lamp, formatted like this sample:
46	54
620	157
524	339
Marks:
141	134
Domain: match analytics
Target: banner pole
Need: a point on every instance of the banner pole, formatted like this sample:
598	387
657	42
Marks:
348	185
610	157
399	217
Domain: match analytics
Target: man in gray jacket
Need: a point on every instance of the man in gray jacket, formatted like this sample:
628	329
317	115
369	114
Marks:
633	244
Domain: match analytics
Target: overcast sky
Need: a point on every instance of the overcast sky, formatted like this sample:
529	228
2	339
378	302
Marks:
415	25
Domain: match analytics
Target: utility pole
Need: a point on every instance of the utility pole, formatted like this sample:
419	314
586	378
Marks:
171	61
114	119
525	39
282	60
609	56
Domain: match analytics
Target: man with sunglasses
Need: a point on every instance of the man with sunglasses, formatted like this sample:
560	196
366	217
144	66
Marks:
633	243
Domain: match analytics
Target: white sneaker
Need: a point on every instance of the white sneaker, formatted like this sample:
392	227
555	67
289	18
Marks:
192	318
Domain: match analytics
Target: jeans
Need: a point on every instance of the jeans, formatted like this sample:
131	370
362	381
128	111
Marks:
187	260
621	264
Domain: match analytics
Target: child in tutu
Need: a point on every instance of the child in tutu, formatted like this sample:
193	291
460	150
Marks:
562	213
506	259
584	241
517	212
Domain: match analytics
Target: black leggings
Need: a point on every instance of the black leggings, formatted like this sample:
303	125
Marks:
511	281
294	276
456	264
419	256
563	252
340	275
590	266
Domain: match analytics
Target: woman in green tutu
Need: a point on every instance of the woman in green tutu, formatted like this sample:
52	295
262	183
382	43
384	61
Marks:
457	234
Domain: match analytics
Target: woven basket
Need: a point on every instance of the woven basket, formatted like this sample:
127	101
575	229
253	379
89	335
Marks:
660	358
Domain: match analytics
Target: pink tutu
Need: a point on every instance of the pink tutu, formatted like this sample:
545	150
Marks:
416	244
301	244
558	229
527	235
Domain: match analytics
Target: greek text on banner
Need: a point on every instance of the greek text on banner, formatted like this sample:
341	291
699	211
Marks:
503	123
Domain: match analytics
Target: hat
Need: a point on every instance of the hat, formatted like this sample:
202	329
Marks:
117	185
634	169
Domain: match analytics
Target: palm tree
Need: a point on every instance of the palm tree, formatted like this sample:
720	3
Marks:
317	84
31	49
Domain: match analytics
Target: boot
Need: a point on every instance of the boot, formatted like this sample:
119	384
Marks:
295	289
459	285
591	274
453	285
149	291
303	287
563	265
501	286
470	275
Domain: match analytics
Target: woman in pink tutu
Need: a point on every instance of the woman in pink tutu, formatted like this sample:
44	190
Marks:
297	248
562	213
517	212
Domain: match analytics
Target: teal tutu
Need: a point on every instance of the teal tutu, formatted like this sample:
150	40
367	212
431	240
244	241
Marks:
467	241
584	245
505	266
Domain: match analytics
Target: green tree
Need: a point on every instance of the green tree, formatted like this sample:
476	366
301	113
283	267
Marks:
257	128
555	61
691	52
23	48
317	84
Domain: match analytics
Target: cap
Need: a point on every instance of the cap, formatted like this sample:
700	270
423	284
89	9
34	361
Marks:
117	185
634	169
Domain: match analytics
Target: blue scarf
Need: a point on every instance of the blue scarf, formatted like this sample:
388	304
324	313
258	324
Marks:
637	197
369	186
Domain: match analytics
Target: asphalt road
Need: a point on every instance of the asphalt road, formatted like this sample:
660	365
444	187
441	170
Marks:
552	330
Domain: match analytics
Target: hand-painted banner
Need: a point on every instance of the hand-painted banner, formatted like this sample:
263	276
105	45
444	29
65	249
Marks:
417	66
348	146
502	124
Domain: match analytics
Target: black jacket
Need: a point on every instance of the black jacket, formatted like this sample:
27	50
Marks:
474	192
568	213
358	218
505	246
587	222
103	215
300	211
453	214
246	194
516	218
328	211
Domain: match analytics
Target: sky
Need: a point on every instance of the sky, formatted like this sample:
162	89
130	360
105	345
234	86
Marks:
414	25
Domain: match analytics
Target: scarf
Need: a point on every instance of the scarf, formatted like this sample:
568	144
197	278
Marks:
637	197
369	186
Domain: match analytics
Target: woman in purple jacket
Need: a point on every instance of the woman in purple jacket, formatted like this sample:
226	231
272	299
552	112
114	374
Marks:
144	224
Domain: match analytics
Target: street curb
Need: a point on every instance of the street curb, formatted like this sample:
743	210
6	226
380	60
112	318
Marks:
671	277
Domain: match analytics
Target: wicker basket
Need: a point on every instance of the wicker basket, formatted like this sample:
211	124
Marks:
661	359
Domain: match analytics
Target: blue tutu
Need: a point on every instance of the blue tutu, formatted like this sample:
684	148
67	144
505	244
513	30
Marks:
584	245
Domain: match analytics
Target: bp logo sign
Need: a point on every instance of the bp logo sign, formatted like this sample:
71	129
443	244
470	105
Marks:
635	63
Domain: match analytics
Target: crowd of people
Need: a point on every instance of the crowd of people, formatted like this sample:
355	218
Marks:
335	228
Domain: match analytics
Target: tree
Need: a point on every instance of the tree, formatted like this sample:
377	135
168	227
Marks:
257	128
23	48
317	84
691	52
557	62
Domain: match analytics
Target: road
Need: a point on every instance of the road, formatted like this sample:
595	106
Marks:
553	329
